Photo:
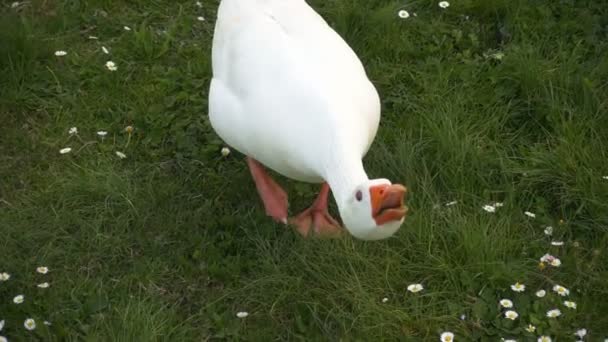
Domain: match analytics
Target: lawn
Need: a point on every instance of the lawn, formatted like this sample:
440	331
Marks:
485	103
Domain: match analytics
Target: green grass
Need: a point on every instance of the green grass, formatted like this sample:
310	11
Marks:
171	242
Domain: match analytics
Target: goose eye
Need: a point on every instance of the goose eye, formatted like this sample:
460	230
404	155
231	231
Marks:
359	195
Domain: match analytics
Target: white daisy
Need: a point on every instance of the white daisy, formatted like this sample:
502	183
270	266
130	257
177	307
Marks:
105	50
557	243
200	18
489	208
512	315
554	313
544	339
73	130
126	28
384	300
463	317
570	304
403	14
581	333
530	328
65	150
548	230
42	269
242	314
414	288
121	155
4	276
530	214
111	66
29	324
43	285
541	293
60	53
508	340
225	151
517	287
18	299
129	129
555	262
506	303
444	4
102	133
447	336
605	177
560	290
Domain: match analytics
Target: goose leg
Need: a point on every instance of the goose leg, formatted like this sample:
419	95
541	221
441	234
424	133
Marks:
273	196
318	218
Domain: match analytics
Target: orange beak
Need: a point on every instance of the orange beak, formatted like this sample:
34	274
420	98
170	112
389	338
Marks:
387	203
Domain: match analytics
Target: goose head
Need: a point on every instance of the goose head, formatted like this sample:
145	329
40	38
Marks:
374	210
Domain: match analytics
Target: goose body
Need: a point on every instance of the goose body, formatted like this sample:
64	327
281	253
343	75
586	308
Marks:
289	92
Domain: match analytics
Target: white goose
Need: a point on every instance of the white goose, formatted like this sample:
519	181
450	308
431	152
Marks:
291	95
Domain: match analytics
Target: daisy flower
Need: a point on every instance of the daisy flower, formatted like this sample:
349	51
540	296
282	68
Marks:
200	18
4	276
121	155
508	340
570	304
60	53
105	50
512	315
384	300
225	151
29	324
530	214
403	14
560	290
557	243
65	150
444	4
530	328
517	287
506	303
544	339
18	299
73	130
414	288
242	314
548	230
554	313
111	66
42	269
556	262
129	129
102	133
447	336
43	285
581	333
605	177
489	208
126	28
541	293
